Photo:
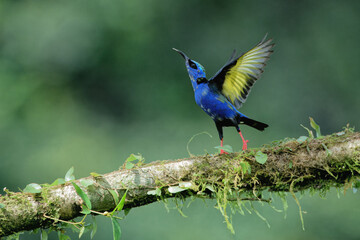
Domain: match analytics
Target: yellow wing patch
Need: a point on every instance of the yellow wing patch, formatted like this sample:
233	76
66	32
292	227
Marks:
248	68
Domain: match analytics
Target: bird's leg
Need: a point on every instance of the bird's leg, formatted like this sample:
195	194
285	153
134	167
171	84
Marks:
220	131
244	142
221	144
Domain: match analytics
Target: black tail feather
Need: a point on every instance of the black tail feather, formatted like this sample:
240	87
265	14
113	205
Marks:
255	124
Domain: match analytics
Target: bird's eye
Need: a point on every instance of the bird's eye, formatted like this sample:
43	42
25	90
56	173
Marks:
192	64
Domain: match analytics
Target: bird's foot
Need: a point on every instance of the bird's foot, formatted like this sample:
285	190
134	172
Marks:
222	144
245	145
223	152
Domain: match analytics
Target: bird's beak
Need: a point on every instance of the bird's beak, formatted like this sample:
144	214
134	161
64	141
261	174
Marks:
181	53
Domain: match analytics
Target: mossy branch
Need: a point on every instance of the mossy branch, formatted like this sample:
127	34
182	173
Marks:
291	165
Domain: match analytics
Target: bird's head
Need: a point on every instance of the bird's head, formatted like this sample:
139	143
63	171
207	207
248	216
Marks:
196	71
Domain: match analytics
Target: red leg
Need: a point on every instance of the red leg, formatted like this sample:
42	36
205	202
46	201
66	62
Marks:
244	142
221	144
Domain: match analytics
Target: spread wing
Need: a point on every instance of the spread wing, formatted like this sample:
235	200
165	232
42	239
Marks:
238	75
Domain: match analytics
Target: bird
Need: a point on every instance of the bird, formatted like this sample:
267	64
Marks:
222	95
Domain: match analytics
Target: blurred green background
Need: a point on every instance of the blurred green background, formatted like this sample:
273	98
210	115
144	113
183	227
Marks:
86	83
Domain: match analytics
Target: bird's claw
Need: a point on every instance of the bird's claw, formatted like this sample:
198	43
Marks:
223	152
245	145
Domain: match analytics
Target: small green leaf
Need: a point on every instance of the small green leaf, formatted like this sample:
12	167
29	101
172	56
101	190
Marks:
209	187
134	157
302	139
261	157
245	167
85	210
94	174
82	229
175	189
121	204
226	148
58	181
315	127
185	185
82	194
70	175
129	165
86	182
94	228
115	195
131	158
116	229
32	188
2	205
44	235
290	164
63	236
157	192
311	135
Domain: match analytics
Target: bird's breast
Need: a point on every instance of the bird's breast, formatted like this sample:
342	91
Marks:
214	104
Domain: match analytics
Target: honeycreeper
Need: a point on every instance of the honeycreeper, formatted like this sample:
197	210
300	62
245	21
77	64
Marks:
222	95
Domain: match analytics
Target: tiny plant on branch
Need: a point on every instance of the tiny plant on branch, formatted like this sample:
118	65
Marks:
83	226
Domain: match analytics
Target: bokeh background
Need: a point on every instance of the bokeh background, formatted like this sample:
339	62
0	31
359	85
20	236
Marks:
86	83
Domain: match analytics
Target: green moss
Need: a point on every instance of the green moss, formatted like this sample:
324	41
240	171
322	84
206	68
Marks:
234	185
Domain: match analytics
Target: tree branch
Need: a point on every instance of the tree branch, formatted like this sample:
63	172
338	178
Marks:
291	166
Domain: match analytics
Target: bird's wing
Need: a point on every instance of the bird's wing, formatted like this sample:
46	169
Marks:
235	79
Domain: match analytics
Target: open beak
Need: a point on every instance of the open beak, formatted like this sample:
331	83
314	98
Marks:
181	53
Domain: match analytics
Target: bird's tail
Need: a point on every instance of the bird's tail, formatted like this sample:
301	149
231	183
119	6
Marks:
252	123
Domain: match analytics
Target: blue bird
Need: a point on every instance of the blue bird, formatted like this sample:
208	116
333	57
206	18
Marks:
222	95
